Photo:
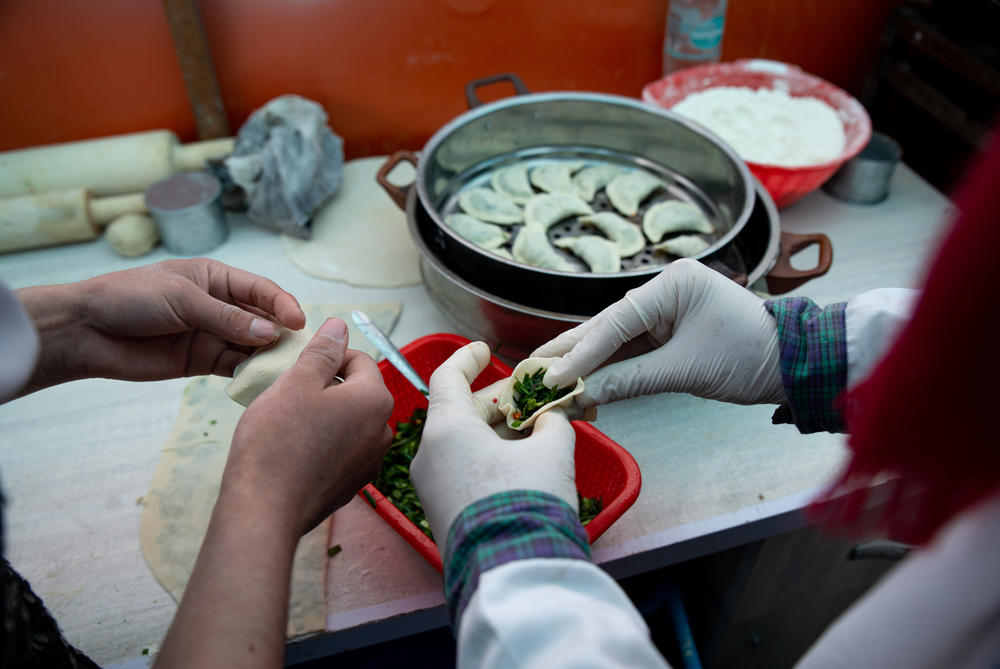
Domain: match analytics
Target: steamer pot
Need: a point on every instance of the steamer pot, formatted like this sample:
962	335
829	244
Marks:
513	329
696	165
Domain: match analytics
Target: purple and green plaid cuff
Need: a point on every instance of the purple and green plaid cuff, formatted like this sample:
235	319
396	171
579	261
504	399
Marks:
504	527
813	348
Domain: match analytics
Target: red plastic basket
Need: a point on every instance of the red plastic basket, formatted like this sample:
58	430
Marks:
785	184
603	468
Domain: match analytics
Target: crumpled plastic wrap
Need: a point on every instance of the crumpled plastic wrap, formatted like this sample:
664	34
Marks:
285	165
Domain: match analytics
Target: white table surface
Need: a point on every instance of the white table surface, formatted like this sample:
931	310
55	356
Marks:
76	459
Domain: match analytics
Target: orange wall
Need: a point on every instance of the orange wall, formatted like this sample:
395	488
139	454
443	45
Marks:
388	72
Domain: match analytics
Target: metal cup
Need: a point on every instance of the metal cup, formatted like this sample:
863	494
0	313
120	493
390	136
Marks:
865	178
188	212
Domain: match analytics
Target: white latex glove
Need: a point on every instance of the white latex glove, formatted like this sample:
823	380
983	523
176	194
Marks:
689	329
462	460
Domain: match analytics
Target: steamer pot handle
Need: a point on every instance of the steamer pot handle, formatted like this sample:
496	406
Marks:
470	88
783	277
397	193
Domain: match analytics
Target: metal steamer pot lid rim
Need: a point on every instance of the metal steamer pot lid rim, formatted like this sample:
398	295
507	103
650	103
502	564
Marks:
558	96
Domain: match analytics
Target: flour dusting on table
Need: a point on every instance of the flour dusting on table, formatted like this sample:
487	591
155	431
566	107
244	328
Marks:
768	126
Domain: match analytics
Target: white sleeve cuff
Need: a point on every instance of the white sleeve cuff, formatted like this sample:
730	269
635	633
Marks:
873	320
552	612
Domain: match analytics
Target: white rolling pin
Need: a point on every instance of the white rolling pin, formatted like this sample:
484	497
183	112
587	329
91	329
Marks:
49	219
105	166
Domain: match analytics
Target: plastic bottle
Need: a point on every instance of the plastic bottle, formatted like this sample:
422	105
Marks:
694	33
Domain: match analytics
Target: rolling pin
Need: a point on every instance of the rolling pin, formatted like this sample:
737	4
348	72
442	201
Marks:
49	219
105	166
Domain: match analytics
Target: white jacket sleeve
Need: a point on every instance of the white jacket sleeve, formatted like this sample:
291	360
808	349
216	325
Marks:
939	608
873	320
549	613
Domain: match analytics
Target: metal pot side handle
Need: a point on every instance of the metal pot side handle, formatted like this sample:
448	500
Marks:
397	193
783	277
472	86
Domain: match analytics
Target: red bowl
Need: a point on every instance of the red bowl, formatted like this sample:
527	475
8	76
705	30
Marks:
603	468
785	184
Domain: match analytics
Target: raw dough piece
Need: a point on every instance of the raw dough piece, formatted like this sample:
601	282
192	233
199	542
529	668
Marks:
672	216
625	234
593	178
600	254
256	374
483	235
488	205
359	236
132	235
185	484
512	182
683	246
626	192
505	401
546	210
532	247
555	177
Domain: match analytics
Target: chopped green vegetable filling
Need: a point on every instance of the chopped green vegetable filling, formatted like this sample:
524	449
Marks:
393	480
530	395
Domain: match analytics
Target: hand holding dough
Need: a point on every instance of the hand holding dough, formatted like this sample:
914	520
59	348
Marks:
255	374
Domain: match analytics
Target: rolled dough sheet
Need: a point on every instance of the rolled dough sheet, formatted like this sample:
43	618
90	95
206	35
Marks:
360	235
185	484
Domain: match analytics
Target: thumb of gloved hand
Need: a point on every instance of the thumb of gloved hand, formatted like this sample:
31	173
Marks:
689	329
462	460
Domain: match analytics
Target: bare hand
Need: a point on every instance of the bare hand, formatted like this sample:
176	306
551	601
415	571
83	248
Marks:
170	319
308	443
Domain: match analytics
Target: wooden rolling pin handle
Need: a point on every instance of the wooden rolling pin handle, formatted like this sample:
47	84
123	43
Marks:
103	210
193	156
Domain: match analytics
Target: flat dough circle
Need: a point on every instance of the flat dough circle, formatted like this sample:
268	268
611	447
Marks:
360	235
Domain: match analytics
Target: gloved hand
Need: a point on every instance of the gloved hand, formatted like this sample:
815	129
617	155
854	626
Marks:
462	460
688	330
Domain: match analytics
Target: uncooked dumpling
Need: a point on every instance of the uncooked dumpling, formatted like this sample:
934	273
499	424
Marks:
555	177
625	234
512	182
503	253
256	374
665	218
483	235
683	246
626	192
600	254
507	405
593	178
532	247
545	210
488	205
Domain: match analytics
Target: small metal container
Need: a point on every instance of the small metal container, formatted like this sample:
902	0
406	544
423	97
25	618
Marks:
188	212
864	179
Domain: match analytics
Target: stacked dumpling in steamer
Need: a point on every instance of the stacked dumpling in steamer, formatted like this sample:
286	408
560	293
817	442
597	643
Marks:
513	215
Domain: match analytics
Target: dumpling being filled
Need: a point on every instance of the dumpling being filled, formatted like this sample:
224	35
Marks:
512	182
483	235
672	216
547	209
525	397
532	247
256	374
627	191
683	246
555	177
488	205
593	178
600	254
625	234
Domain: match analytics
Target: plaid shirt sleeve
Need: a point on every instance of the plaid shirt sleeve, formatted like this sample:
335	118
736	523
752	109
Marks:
813	348
504	527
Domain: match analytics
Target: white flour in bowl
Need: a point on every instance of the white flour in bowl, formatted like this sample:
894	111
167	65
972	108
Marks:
768	126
